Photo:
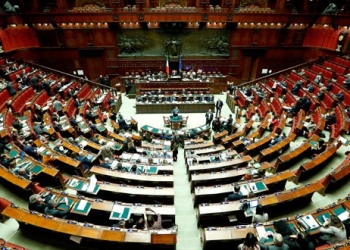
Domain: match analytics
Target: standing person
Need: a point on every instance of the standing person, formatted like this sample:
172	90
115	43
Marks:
57	105
176	111
218	107
175	150
209	117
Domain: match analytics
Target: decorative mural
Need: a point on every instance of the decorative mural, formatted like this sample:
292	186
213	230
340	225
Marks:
188	42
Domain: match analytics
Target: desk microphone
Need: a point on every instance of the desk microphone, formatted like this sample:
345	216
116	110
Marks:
158	202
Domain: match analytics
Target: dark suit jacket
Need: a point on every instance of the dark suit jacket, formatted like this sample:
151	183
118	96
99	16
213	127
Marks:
11	89
219	104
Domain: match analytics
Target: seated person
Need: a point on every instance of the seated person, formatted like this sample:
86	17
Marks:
54	210
22	171
300	241
235	196
106	163
150	223
330	119
17	124
274	123
37	203
93	127
278	243
122	123
320	147
95	139
85	162
320	95
260	216
7	162
340	96
73	121
250	243
333	231
31	150
89	116
192	134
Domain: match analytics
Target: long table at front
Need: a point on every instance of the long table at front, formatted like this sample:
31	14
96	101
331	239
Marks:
184	107
92	232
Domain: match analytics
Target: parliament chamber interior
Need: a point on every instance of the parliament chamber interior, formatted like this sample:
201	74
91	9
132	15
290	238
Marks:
174	124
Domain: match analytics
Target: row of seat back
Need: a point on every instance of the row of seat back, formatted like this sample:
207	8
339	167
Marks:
41	99
5	96
335	90
326	74
319	120
297	120
342	61
314	102
276	106
19	102
71	109
328	102
104	103
65	92
339	69
12	75
250	111
341	125
242	102
263	109
290	99
295	77
8	120
84	92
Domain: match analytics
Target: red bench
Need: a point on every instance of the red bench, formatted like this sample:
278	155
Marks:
342	61
4	98
335	67
341	124
73	86
84	92
276	106
71	109
242	102
104	103
263	109
19	102
41	100
12	76
327	74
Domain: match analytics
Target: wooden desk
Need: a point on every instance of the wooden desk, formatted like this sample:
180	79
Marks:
217	137
228	139
167	180
275	148
224	176
80	230
14	179
297	152
227	164
259	144
207	151
184	107
199	146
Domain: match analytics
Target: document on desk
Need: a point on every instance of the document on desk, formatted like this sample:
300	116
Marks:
310	221
261	231
343	216
244	190
92	185
82	205
253	187
84	143
41	149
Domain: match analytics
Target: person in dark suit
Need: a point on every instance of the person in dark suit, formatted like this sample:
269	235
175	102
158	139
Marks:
300	241
88	116
340	96
7	162
93	127
330	119
52	209
73	121
46	86
35	83
218	107
85	162
37	203
235	196
106	163
296	88
215	125
31	151
176	111
17	124
209	117
11	89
